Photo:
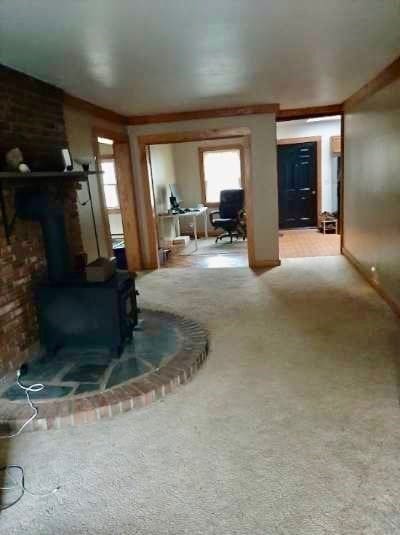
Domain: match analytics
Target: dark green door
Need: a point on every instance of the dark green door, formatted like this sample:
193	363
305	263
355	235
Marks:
297	183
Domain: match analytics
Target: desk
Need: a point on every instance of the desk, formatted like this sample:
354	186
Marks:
202	212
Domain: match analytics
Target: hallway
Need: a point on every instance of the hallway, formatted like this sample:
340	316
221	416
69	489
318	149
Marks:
296	243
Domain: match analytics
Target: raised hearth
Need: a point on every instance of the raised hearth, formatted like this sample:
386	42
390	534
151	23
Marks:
85	386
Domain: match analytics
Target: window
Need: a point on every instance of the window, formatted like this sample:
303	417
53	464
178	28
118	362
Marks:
221	169
110	184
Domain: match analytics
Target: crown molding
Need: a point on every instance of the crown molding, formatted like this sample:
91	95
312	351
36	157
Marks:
234	111
93	109
306	113
388	75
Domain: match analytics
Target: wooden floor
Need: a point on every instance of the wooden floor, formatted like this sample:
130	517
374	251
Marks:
292	244
301	243
209	261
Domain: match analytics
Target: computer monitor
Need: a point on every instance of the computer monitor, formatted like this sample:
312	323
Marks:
174	192
174	199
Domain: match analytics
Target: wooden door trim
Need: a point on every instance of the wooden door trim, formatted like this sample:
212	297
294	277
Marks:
341	207
318	141
127	203
126	192
151	226
180	137
102	200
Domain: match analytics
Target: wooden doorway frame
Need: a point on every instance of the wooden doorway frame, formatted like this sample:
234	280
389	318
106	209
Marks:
144	141
126	194
318	141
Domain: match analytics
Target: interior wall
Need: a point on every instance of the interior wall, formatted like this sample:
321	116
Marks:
163	172
263	176
187	172
79	128
372	187
325	129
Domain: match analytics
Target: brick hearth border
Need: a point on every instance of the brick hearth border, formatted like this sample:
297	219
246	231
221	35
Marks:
133	394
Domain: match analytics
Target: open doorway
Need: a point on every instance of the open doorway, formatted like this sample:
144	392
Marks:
199	201
200	189
309	170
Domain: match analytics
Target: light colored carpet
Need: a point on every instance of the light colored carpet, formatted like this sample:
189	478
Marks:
291	428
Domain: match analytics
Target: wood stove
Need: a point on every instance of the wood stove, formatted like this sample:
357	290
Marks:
76	313
73	312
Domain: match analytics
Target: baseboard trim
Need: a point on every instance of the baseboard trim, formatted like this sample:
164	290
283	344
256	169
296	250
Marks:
394	305
261	264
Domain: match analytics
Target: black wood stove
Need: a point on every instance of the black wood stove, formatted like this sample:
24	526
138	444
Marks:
71	311
86	314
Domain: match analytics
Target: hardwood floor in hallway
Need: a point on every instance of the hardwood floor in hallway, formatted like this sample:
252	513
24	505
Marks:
296	243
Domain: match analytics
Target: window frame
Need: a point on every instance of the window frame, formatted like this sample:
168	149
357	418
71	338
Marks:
114	210
218	148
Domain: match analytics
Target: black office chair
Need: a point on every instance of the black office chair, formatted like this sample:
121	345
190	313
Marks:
231	215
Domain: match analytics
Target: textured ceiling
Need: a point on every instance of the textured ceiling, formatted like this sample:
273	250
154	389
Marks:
146	56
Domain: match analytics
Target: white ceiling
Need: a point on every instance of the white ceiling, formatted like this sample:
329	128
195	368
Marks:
146	56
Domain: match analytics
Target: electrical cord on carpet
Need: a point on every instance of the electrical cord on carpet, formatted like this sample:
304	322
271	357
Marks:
37	387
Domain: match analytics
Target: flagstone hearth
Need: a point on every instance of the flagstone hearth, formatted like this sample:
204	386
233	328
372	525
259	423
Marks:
82	386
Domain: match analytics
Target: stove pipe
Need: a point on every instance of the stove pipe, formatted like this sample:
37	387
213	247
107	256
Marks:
40	206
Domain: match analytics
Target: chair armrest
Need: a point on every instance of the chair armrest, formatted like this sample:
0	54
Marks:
212	214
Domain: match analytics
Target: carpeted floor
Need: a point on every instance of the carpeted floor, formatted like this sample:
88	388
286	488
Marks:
291	428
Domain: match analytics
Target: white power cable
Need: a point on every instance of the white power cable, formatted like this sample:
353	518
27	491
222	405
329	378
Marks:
37	387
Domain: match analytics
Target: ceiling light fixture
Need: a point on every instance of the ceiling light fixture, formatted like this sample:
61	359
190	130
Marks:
318	119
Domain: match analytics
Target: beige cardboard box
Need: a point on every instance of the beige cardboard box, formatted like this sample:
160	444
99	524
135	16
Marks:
100	270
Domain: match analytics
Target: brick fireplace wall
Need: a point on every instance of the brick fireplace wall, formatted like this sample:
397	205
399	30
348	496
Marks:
31	118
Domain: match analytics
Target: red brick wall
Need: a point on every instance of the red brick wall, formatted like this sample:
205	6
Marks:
31	118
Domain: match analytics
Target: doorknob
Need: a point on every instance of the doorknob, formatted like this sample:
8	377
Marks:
313	192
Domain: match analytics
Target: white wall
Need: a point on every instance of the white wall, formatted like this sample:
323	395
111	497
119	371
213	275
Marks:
263	179
187	172
372	187
325	129
79	127
163	173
